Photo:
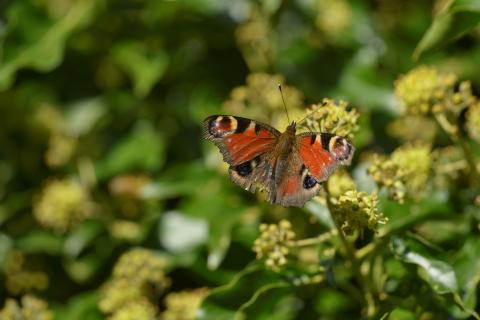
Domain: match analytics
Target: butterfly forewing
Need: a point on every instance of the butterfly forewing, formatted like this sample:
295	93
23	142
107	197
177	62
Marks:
244	144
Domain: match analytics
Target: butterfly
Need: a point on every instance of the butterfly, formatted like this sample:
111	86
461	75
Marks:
289	166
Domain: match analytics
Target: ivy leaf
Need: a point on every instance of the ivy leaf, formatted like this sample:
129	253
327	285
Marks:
82	306
145	67
40	241
467	266
439	274
453	21
34	40
218	203
232	300
143	149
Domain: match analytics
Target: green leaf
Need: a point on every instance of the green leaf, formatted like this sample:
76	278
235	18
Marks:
82	306
142	149
216	200
438	274
6	244
246	289
458	18
33	40
467	267
82	116
178	181
40	241
321	213
144	66
80	238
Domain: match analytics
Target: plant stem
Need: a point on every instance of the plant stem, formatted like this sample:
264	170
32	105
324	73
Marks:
355	263
316	240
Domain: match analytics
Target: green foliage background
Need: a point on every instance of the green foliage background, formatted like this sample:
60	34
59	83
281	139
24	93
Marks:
101	106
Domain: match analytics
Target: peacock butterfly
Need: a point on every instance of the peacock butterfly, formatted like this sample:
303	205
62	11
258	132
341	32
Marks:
290	167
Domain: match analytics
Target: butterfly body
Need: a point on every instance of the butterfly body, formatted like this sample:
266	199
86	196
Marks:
290	166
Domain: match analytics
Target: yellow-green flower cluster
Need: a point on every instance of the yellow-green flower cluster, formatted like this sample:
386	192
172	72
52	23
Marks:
128	185
356	211
421	89
127	190
140	309
61	144
254	38
333	118
333	18
260	99
30	308
137	277
62	204
405	171
339	183
413	128
274	243
125	230
183	305
473	122
19	278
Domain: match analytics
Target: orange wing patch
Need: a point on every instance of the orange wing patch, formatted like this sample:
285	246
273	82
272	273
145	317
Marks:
249	144
319	161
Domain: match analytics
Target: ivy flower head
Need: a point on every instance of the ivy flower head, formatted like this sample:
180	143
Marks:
413	128
140	309
29	308
274	244
141	265
260	99
405	171
20	278
138	274
357	211
184	304
422	88
62	204
472	124
339	183
334	18
332	117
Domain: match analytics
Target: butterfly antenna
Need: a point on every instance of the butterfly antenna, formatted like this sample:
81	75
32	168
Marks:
283	100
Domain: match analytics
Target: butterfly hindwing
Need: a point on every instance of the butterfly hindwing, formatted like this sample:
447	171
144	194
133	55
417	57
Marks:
244	144
296	185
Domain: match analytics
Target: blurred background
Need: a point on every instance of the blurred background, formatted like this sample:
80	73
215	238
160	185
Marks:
112	205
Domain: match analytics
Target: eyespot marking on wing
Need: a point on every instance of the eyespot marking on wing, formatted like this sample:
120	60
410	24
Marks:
222	125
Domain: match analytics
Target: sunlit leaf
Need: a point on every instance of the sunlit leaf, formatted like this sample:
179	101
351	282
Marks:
83	306
144	66
42	41
40	241
458	18
440	275
467	268
249	286
141	150
81	237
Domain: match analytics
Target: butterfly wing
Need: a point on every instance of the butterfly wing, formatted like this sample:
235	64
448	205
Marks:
245	145
323	152
314	160
293	186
